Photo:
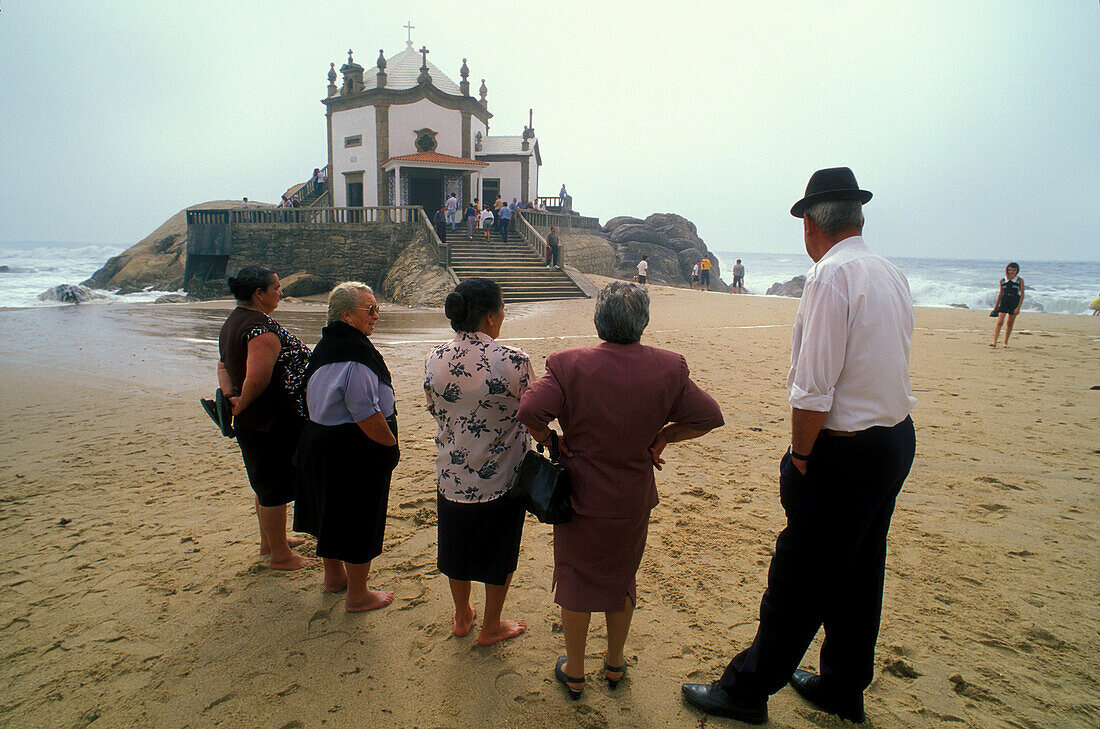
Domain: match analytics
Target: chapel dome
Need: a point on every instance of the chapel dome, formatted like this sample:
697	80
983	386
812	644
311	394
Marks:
402	70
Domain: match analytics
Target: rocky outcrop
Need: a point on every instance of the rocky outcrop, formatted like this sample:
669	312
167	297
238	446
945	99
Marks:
415	279
69	294
157	260
790	288
173	299
306	284
672	243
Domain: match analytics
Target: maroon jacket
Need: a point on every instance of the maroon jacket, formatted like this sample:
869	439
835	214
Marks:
611	400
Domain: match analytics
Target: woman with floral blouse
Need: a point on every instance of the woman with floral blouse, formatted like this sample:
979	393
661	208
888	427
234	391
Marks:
473	386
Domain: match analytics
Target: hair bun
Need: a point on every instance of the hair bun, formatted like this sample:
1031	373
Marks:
454	307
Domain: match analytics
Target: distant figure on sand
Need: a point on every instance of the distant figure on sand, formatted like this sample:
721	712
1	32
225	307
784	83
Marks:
473	386
852	445
738	285
695	275
619	404
1009	299
349	447
643	271
261	367
704	273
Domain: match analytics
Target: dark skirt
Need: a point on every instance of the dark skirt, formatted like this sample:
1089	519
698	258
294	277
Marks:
479	542
343	490
269	459
595	562
1008	305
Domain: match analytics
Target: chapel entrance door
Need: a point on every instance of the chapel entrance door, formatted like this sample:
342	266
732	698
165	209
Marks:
489	190
426	192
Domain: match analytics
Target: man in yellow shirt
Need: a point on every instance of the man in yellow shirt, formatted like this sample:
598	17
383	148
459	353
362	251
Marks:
704	274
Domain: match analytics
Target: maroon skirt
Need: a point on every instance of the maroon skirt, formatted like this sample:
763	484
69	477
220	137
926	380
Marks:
595	562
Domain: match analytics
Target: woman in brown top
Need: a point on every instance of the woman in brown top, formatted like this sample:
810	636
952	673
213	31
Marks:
261	368
618	404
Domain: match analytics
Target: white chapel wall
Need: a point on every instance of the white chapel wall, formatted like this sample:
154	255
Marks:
407	118
361	122
510	175
532	180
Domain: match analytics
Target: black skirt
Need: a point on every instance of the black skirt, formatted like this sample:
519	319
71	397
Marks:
479	542
344	488
268	459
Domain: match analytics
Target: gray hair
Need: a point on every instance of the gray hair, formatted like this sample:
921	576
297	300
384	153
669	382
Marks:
622	312
836	216
345	297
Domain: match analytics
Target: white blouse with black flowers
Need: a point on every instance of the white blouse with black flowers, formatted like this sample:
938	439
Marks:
473	386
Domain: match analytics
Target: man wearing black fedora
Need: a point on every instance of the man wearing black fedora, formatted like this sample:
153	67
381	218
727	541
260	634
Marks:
852	445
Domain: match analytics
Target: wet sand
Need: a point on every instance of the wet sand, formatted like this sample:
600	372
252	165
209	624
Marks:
133	594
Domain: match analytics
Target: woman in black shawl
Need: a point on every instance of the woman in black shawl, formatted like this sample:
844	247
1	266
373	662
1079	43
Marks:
349	447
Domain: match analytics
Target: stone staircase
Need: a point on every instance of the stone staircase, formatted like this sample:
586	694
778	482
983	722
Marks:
521	273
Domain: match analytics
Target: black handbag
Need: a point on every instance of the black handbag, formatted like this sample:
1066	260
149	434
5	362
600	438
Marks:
542	486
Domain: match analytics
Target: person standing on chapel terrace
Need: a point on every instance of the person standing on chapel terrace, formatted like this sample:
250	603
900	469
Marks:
852	445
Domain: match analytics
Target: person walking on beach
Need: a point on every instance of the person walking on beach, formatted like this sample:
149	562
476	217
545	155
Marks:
1010	298
261	368
738	286
643	271
473	385
852	445
704	273
348	448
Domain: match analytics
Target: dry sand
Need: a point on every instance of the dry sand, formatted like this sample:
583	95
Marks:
133	596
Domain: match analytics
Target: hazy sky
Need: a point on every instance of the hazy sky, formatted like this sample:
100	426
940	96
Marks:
975	124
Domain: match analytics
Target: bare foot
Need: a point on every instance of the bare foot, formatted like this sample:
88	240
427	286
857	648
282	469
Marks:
463	626
335	586
375	599
505	629
291	542
295	562
994	345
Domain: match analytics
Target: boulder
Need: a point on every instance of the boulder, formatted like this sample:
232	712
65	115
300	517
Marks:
69	294
611	225
790	288
673	226
5	269
173	299
306	284
683	244
664	265
415	279
128	288
632	233
958	306
586	251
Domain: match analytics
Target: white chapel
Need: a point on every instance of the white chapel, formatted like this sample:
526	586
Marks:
404	133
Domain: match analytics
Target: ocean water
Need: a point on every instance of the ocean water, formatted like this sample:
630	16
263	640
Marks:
1055	287
36	267
1058	287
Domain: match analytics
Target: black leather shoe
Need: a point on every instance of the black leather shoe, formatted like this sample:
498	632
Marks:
713	699
808	686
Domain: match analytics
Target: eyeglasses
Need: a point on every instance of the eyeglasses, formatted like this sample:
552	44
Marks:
372	310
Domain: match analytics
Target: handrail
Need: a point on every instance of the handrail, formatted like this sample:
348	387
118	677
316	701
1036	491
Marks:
306	188
564	221
307	216
531	236
442	250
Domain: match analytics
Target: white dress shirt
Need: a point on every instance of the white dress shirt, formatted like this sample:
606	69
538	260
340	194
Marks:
850	346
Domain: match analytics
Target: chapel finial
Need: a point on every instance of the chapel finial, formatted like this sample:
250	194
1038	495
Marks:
381	61
350	61
464	84
424	77
380	77
332	90
484	90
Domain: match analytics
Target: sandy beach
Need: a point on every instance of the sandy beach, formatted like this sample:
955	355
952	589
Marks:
133	594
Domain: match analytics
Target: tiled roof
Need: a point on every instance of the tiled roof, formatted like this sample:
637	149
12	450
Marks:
402	70
435	158
506	145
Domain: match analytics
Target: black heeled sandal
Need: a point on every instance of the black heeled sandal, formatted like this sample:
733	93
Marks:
614	682
564	679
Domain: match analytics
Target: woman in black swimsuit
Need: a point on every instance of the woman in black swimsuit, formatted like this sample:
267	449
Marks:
1009	299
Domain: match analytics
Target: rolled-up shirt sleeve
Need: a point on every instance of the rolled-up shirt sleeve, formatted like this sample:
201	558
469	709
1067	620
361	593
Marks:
818	347
694	407
361	392
543	401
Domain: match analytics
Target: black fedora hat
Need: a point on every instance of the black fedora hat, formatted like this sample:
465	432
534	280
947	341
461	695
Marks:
834	183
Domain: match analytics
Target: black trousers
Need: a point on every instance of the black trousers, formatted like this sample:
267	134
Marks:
829	564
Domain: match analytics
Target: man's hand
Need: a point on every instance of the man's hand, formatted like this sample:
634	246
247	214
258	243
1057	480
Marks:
655	449
799	464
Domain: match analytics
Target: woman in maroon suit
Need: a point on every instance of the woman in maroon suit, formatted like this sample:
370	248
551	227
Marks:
618	404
